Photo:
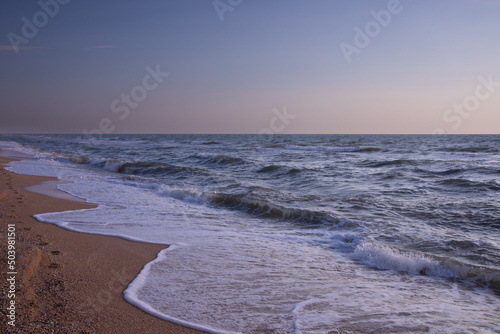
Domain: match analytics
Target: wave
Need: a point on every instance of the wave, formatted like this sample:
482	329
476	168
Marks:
486	170
25	149
332	149
388	258
221	159
79	160
397	162
258	207
464	183
96	140
134	167
450	171
462	244
472	149
279	168
204	142
189	195
266	209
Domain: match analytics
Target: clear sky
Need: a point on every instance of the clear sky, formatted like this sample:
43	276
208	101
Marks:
250	66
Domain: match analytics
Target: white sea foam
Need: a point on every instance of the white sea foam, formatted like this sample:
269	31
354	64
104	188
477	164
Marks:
113	165
385	257
190	195
207	155
372	303
11	145
133	296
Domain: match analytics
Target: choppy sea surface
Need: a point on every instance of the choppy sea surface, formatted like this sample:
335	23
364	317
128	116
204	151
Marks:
294	233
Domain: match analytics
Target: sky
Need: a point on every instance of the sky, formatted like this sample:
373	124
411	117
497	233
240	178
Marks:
250	66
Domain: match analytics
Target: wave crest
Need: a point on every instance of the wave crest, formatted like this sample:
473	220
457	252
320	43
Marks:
388	258
332	149
222	159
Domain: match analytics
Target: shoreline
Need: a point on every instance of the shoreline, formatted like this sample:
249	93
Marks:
69	281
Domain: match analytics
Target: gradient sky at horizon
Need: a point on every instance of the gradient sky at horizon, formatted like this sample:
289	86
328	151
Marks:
227	76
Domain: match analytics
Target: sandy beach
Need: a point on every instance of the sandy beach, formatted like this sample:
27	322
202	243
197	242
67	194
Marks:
67	282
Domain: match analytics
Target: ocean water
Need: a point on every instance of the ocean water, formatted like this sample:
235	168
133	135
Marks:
294	233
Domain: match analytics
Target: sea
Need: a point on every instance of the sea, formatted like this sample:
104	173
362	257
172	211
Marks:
293	233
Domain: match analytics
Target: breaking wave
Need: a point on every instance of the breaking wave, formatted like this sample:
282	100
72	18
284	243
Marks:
384	257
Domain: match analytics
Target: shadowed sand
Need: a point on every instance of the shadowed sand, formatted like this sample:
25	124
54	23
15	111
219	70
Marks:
69	282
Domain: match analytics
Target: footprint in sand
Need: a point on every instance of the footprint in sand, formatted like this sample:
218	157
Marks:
41	242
